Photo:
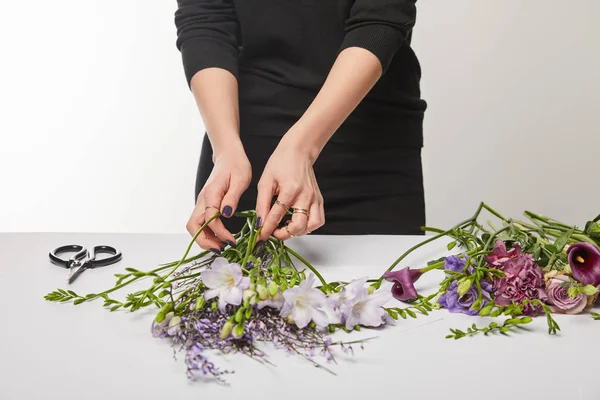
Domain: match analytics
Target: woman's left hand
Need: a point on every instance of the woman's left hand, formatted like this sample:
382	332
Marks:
289	174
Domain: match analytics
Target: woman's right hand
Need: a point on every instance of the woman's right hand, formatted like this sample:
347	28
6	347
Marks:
230	177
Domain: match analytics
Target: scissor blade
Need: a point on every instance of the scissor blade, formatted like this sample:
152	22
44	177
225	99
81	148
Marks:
74	273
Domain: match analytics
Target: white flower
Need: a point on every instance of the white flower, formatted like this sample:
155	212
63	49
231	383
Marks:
305	303
355	288
365	309
225	281
275	302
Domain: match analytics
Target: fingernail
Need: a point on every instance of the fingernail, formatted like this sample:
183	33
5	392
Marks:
258	222
227	211
232	244
216	251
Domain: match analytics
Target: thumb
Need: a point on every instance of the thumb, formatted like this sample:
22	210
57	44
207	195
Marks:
231	199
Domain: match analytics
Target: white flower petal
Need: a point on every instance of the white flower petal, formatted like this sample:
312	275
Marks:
351	320
244	283
301	316
371	316
211	293
222	304
379	298
214	279
219	263
235	271
232	296
320	318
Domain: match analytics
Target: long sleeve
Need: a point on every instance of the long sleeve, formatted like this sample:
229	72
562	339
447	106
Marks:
207	35
380	26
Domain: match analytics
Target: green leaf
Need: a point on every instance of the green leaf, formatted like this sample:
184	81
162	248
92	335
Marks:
411	313
486	310
402	313
451	245
562	240
78	301
496	312
464	284
115	308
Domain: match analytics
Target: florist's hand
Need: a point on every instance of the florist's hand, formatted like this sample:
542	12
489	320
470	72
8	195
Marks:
230	177
289	174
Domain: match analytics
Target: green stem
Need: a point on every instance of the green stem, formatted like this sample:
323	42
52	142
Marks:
309	266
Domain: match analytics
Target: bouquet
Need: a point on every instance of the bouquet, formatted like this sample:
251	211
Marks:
265	292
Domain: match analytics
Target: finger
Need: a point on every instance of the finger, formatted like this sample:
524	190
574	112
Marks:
317	216
297	225
266	189
276	214
206	239
231	199
213	195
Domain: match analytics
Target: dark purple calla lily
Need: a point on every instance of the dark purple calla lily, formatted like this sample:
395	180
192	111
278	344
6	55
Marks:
404	283
584	260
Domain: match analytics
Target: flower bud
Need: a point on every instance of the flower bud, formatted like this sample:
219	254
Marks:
160	317
273	288
238	331
464	284
200	302
262	292
370	289
239	315
226	331
283	286
174	325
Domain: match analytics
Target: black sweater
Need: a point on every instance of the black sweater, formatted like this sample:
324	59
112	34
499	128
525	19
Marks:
282	50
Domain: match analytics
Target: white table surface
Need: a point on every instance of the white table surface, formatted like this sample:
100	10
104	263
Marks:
51	351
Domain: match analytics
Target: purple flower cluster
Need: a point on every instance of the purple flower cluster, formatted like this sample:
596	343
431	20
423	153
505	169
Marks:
463	304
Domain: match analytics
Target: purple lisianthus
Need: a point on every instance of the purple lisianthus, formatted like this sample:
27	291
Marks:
464	304
456	263
403	287
584	260
524	280
499	255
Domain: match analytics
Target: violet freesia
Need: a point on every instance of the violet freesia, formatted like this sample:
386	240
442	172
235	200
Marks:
226	281
464	304
305	303
456	263
559	300
403	288
500	255
524	280
584	260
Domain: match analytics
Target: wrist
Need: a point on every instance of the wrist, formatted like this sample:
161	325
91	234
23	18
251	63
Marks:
304	143
232	147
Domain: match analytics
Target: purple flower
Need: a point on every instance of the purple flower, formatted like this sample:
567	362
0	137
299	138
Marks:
500	255
524	280
456	263
403	288
455	304
584	260
559	299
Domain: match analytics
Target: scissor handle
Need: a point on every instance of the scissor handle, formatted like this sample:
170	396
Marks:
115	256
80	253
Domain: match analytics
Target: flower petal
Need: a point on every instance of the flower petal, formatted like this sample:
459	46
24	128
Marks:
301	316
232	296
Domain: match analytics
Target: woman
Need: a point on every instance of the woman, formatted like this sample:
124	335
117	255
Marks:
314	102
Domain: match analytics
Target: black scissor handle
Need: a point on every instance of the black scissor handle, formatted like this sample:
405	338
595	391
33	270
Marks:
115	256
80	253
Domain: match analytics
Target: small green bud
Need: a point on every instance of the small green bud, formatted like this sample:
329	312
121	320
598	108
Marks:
477	304
370	289
590	290
166	285
214	306
248	313
158	279
200	302
163	294
293	281
486	310
262	292
239	315
464	284
284	285
166	308
160	317
273	288
226	331
238	331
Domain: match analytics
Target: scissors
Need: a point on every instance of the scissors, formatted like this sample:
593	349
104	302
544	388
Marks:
83	259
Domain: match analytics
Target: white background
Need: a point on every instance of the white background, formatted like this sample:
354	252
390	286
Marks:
100	133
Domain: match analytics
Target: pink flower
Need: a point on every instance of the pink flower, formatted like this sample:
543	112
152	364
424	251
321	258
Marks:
524	280
404	283
500	255
559	300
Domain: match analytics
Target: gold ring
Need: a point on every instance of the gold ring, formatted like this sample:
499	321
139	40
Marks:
215	207
285	207
301	211
288	231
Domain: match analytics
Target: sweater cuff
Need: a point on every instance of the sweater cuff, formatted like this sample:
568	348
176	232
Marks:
381	40
201	53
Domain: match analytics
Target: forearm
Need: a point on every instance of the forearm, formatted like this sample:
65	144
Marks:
216	94
352	76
